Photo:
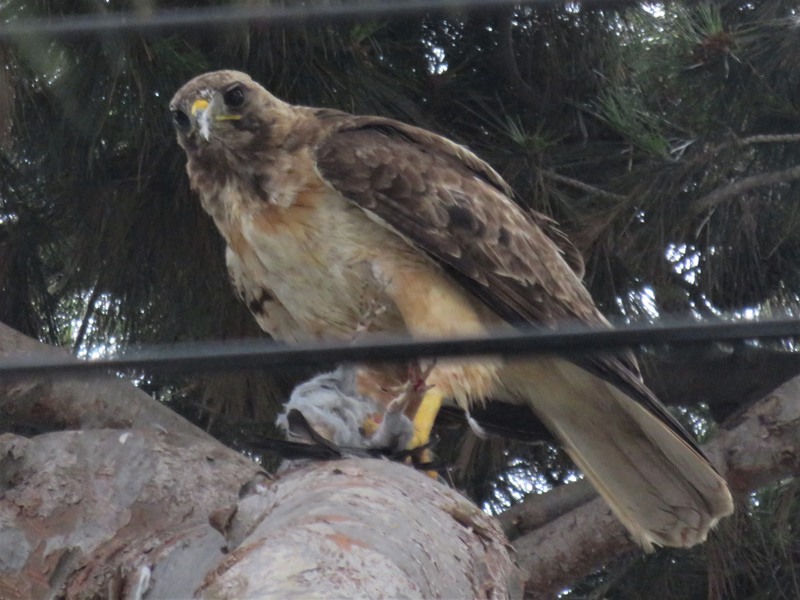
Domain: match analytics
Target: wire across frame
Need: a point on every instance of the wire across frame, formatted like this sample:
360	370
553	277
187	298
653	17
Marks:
292	13
258	354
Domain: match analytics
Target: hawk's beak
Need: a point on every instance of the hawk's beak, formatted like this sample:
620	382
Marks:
201	115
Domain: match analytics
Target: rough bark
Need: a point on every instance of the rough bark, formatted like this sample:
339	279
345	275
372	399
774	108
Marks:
363	529
86	513
540	509
109	513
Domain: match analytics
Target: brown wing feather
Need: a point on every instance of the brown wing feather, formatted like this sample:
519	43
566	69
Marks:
458	210
445	200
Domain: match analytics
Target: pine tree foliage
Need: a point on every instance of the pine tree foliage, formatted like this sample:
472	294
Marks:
664	138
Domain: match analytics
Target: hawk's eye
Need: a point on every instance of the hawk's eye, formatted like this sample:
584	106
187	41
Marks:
181	120
234	97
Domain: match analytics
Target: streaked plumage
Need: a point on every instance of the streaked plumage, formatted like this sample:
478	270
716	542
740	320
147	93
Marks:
336	223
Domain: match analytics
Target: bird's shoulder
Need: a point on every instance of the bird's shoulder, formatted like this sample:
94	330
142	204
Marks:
376	139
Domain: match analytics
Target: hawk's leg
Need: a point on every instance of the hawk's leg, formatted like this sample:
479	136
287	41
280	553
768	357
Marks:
426	400
425	417
423	424
421	405
407	396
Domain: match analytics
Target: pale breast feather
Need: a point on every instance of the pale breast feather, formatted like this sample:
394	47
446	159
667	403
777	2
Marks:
268	312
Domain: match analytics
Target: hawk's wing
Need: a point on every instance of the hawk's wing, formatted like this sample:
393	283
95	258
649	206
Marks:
447	202
455	207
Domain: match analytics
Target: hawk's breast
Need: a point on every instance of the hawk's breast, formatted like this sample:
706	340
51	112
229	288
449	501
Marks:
312	264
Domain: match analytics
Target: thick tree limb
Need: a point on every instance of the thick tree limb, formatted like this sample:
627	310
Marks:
375	528
37	406
117	513
540	509
104	513
83	513
758	447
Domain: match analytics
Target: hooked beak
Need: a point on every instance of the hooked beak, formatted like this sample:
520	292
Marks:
202	115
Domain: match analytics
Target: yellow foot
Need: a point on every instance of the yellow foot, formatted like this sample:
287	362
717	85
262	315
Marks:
423	424
425	417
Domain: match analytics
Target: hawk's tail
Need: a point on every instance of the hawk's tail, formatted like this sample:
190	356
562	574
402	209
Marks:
662	488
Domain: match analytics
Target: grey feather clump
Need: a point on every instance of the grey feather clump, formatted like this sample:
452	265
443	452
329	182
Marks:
338	412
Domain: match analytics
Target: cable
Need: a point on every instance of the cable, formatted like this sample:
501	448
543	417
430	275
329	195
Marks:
263	354
77	26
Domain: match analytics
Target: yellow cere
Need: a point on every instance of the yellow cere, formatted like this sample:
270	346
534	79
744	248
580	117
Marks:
198	106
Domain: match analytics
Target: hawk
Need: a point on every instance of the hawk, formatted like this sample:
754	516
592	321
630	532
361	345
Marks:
329	217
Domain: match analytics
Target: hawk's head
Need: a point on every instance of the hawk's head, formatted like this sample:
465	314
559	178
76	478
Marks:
225	120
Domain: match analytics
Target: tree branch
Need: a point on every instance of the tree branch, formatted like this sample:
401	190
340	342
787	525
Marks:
539	509
777	138
580	185
91	510
105	513
28	406
378	528
709	201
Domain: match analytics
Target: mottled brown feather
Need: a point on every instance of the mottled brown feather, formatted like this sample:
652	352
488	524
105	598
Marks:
457	209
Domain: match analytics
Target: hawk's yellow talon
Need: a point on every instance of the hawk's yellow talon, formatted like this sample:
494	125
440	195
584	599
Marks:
425	417
423	424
